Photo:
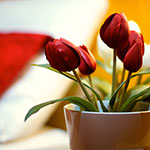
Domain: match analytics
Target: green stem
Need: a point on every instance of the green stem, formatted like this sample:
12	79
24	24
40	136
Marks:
139	80
114	72
123	75
82	87
124	90
92	86
90	81
119	93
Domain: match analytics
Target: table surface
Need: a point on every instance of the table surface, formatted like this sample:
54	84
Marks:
46	139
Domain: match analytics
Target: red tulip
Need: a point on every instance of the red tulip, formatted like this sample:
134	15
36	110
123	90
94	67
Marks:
134	36
133	58
62	55
88	63
142	42
115	31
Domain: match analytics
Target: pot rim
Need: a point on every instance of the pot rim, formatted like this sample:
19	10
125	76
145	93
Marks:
70	108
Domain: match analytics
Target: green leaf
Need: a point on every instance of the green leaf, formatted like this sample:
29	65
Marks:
134	90
113	98
144	71
131	106
141	104
103	85
47	66
147	81
98	97
72	99
107	69
134	98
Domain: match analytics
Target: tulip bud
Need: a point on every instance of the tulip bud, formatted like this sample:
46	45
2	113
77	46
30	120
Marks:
88	63
142	42
134	36
62	55
133	58
115	31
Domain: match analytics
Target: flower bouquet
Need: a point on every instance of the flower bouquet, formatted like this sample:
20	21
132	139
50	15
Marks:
71	61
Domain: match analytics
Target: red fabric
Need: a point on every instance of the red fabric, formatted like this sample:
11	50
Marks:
16	49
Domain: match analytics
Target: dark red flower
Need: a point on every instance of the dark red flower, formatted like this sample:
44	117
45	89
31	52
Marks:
115	31
133	58
142	42
62	55
134	36
88	63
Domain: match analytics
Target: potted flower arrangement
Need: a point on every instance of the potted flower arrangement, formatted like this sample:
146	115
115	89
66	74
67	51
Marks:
122	121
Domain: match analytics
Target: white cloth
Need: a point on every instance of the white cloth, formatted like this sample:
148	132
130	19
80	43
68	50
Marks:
45	139
77	21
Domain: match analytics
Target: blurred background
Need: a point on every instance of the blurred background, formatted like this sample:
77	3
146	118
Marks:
25	27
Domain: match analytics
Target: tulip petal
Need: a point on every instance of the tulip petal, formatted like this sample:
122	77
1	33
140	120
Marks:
106	24
88	63
134	37
133	59
142	42
61	56
115	31
69	44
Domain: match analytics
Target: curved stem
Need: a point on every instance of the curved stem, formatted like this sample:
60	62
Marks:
90	81
119	93
124	90
114	72
83	88
139	80
92	86
123	75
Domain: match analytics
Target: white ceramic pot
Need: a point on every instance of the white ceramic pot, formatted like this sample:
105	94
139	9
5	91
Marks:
107	131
